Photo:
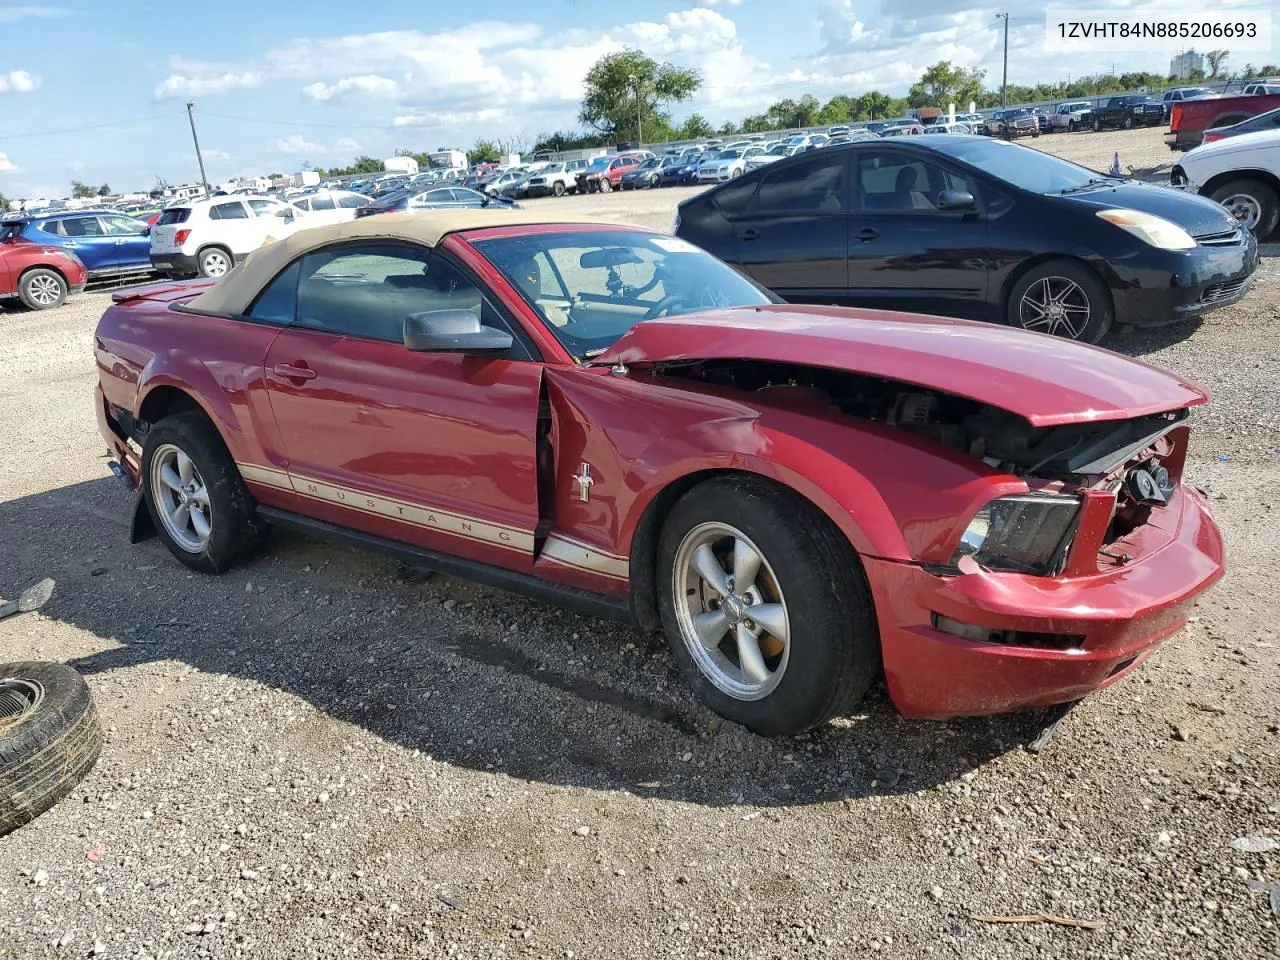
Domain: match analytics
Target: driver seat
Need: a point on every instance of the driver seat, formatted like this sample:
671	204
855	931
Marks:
528	277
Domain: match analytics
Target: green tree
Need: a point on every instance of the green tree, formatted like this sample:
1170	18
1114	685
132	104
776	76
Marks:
839	109
4	203
944	83
82	191
104	190
872	105
728	129
484	151
625	93
696	127
1216	59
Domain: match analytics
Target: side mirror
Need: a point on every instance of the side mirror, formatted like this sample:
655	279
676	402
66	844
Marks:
452	331
956	200
146	231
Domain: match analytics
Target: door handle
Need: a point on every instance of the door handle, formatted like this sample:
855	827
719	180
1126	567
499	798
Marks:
72	243
121	240
867	233
290	371
749	234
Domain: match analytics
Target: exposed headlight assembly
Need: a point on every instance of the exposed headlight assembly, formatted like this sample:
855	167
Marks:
1157	231
1025	533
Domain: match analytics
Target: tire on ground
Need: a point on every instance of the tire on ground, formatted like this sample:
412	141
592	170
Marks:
834	641
1263	194
210	258
50	737
41	278
1101	312
235	530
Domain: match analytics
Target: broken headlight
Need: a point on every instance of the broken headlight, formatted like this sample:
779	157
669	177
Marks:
1026	533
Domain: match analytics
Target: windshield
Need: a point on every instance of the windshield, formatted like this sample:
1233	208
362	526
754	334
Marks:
730	155
779	149
1018	165
590	286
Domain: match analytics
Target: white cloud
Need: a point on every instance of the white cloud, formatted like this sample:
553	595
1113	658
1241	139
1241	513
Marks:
178	86
368	85
210	154
453	118
7	165
295	143
18	81
75	166
9	14
716	3
347	145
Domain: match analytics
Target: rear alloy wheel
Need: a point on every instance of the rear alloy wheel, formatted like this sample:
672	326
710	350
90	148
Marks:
765	606
605	186
1063	299
196	497
1128	123
1097	126
1252	203
41	289
214	262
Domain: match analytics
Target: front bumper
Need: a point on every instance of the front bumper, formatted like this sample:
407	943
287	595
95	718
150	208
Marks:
1121	616
1165	286
176	264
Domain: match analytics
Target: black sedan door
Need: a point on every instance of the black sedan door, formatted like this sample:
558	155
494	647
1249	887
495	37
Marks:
793	236
907	250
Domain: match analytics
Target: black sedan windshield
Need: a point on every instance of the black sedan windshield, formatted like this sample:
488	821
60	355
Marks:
589	287
1021	166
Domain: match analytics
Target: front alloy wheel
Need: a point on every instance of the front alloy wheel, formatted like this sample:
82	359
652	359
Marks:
1055	305
732	615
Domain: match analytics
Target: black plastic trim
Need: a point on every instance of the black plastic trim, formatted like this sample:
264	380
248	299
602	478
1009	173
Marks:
581	601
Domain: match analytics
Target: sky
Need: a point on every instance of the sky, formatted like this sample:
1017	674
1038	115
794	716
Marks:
96	90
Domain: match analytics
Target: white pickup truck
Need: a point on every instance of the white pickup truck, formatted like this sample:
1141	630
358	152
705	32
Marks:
1069	116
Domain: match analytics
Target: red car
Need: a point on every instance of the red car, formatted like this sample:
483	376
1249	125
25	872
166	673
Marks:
605	173
802	498
40	276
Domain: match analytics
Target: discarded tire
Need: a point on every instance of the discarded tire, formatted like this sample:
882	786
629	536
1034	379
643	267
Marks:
50	738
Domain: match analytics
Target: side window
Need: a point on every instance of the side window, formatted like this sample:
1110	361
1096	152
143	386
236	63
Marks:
304	203
811	185
54	227
352	201
228	211
734	197
368	289
124	227
276	304
321	201
82	227
265	208
897	182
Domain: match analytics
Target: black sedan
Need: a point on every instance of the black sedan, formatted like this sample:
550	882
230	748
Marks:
438	198
1263	121
976	228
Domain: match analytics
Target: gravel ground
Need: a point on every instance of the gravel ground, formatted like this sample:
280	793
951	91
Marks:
315	757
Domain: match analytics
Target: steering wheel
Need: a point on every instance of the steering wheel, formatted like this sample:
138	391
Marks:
664	306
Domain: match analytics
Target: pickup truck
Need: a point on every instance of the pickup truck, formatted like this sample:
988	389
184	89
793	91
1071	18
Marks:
1129	111
1069	116
1191	118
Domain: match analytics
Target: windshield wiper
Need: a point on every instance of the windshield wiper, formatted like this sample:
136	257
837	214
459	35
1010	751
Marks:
1091	183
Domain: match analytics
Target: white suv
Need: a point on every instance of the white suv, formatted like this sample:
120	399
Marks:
208	237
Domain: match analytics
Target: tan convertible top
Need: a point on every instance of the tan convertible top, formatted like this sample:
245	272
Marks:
236	291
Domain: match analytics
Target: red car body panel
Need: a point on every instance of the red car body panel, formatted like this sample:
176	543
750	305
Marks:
18	256
478	457
975	360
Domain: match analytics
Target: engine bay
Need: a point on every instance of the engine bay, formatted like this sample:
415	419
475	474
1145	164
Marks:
1078	453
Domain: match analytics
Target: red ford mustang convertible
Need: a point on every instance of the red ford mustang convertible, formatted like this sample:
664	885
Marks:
599	415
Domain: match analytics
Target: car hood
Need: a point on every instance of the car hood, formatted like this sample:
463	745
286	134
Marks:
1198	216
1047	380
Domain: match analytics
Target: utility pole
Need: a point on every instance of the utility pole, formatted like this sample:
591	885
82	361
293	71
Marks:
1004	81
635	86
199	157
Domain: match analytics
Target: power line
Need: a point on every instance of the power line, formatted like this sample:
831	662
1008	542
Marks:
295	123
92	126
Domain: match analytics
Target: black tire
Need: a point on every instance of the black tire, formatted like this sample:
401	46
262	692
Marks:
605	185
834	651
215	262
1097	126
1035	133
1071	126
50	737
1101	312
558	189
1262	195
42	289
234	530
1128	122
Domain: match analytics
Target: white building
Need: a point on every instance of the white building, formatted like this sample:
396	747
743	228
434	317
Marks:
1185	64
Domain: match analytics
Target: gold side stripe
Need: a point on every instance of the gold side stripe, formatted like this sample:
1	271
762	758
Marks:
571	553
427	518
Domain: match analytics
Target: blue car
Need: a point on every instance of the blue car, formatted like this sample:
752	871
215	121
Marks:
109	244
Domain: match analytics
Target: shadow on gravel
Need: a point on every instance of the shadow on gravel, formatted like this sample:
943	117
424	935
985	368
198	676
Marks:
489	681
1140	341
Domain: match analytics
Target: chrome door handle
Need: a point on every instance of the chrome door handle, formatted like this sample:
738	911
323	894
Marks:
291	372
